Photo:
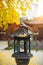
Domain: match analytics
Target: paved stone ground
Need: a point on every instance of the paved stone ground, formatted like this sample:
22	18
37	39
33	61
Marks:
7	59
3	44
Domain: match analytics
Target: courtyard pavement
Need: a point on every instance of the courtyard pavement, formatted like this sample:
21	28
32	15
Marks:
7	59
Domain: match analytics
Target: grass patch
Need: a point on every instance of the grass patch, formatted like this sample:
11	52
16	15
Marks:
8	48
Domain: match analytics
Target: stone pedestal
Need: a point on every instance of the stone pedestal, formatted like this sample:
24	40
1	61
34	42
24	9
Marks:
22	61
22	58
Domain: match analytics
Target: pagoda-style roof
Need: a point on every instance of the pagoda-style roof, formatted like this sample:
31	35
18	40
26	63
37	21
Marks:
35	21
22	31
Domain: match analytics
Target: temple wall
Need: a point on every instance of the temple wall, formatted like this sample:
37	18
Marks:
39	29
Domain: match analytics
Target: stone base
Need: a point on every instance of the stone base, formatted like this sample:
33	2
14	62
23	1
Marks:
22	59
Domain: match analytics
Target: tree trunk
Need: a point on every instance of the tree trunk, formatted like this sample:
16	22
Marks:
8	40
